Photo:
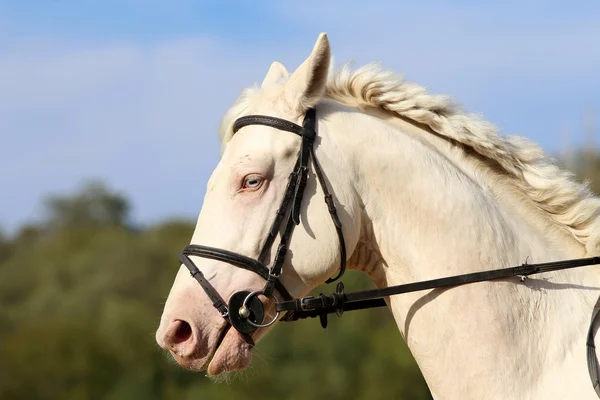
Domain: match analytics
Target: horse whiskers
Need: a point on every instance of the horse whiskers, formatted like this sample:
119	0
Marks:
261	355
231	376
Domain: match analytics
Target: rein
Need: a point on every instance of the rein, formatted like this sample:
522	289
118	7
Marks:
338	302
245	311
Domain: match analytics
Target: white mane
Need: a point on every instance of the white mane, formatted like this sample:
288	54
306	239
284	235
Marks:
566	202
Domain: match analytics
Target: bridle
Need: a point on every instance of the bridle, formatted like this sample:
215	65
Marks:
245	311
249	309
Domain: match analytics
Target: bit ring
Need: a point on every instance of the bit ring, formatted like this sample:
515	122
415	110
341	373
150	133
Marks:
245	310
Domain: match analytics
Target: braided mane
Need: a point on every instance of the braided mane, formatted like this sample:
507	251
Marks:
553	190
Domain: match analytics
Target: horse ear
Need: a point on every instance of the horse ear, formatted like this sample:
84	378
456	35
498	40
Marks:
276	73
307	84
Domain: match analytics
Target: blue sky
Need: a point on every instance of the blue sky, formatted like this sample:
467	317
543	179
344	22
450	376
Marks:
132	91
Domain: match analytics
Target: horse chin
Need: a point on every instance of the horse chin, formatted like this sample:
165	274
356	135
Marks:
233	353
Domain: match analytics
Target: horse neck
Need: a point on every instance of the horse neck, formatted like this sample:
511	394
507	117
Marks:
428	214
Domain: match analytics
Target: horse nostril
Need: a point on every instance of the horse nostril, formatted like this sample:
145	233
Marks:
178	336
182	333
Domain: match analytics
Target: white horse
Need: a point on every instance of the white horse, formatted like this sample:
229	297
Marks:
423	191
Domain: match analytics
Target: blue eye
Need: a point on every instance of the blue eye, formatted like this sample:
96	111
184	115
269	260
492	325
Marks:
252	182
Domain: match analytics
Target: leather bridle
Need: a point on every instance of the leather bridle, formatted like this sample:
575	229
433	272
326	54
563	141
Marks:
245	311
249	310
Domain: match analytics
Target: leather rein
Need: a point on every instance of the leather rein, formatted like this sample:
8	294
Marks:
245	311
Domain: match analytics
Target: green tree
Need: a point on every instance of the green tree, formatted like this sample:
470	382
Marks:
5	246
81	295
585	164
93	205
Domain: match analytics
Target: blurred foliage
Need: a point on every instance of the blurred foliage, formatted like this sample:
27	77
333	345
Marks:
94	205
81	295
586	165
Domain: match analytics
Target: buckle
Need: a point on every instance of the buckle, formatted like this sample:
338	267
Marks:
274	276
303	306
323	304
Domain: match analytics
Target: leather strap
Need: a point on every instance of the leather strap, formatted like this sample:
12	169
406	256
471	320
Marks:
210	291
334	217
310	306
281	212
230	257
274	122
592	359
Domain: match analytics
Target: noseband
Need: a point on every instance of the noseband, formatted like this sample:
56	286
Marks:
248	310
